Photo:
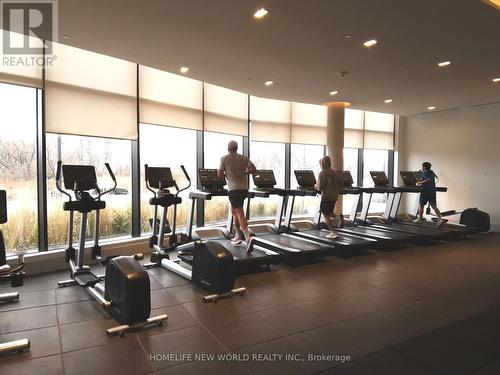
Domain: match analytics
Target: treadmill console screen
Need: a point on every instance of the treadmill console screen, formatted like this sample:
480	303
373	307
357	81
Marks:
346	178
209	179
306	179
409	178
264	178
418	175
379	178
159	177
82	175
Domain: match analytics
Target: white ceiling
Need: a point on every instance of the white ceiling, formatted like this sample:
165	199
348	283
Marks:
301	46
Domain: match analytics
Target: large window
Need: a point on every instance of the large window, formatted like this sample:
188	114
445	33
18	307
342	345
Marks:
163	146
375	160
305	157
18	123
71	149
215	146
351	165
267	155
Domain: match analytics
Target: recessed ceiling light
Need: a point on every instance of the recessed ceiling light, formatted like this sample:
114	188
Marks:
260	13
269	83
370	43
66	36
496	79
335	92
493	3
388	101
348	36
184	69
432	108
444	63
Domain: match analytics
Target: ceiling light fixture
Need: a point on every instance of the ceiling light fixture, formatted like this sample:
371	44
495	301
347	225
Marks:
432	108
444	63
269	83
496	79
493	3
66	36
388	101
260	13
335	92
184	69
370	43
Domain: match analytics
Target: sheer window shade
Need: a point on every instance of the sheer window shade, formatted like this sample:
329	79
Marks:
90	94
226	111
270	120
170	100
308	124
379	131
353	128
17	73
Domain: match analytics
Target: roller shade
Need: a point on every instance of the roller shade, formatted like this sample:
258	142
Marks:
15	71
226	111
308	124
353	128
270	120
169	99
379	131
90	94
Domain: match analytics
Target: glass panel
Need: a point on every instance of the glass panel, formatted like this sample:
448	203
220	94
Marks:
18	123
116	218
305	157
375	160
163	146
215	146
350	164
267	155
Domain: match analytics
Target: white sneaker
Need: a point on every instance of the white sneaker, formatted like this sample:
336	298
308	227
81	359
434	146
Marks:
418	220
236	240
440	222
336	222
249	244
332	235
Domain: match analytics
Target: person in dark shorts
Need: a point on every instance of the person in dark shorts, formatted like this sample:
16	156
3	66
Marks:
329	185
428	194
235	168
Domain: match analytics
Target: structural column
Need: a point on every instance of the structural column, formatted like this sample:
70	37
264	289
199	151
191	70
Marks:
335	139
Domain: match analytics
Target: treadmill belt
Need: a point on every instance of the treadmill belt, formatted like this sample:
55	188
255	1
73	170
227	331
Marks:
377	233
419	231
290	244
240	252
341	240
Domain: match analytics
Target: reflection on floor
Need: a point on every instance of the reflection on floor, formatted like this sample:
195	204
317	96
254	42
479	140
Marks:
420	310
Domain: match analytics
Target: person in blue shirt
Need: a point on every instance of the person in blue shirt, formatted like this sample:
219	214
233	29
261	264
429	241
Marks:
428	194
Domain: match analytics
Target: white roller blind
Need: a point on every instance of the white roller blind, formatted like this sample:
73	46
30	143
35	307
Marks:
90	94
15	68
169	99
308	124
379	131
353	128
270	120
226	111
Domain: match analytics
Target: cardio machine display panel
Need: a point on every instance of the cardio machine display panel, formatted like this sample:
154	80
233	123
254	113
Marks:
379	178
159	177
210	180
264	178
305	179
345	177
408	177
81	176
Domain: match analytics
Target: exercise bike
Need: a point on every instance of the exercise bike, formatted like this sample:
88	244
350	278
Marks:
126	294
208	264
13	275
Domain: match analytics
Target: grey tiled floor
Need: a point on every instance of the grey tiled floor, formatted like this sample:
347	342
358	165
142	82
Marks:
419	310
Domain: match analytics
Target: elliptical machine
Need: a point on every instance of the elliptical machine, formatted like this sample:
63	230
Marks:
14	276
126	295
209	265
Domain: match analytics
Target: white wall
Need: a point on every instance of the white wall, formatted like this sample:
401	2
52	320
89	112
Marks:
463	146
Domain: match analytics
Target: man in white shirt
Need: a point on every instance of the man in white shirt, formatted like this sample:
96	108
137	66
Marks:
236	168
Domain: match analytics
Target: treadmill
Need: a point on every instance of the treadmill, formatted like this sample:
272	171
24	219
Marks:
423	235
387	240
213	186
344	244
295	250
410	178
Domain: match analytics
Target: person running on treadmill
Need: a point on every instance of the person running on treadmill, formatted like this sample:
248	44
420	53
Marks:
329	185
235	167
428	194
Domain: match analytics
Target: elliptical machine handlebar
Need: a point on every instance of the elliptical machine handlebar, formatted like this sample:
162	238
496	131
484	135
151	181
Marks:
112	175
187	177
58	180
